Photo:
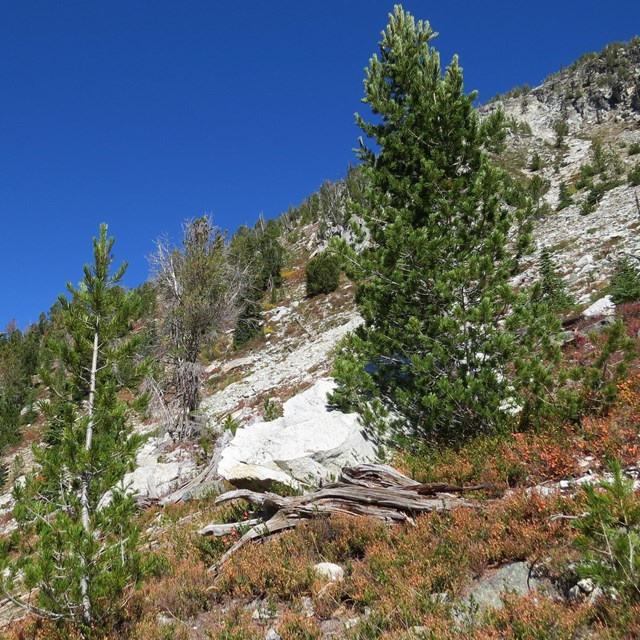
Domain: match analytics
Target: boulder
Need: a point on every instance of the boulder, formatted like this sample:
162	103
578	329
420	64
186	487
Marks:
310	443
603	307
157	474
597	327
511	578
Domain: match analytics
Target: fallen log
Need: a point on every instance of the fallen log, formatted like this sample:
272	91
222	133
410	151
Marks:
376	491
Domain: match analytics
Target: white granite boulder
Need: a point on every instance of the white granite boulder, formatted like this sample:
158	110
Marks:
156	474
309	443
602	307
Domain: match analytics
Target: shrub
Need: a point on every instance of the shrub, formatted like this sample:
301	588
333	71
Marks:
552	286
634	148
323	273
272	410
634	176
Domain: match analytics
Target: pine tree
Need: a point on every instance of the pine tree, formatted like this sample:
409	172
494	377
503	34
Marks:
78	538
552	288
442	327
625	282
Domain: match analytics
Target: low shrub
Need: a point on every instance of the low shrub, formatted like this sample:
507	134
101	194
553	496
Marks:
634	176
322	273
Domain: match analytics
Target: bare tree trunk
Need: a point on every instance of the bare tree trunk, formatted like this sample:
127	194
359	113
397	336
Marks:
84	486
376	491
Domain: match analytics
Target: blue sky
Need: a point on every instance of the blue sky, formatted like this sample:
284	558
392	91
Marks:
142	114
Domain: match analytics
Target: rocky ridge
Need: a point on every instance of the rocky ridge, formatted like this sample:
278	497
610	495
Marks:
597	98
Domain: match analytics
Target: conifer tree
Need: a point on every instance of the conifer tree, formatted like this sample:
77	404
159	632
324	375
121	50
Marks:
625	281
442	335
78	539
552	288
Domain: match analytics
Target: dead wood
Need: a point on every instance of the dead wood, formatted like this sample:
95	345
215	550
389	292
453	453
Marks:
376	491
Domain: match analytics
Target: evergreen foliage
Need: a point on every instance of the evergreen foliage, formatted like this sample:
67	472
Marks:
564	197
634	176
322	273
271	254
443	332
610	535
77	541
536	162
625	281
19	361
552	288
561	129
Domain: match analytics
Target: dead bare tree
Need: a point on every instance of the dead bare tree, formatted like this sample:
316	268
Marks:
199	293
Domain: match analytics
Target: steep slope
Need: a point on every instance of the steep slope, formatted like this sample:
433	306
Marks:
596	100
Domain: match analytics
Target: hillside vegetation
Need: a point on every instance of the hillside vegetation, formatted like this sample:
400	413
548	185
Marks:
473	288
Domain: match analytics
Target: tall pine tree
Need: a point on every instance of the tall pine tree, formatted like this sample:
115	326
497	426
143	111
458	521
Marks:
441	338
77	550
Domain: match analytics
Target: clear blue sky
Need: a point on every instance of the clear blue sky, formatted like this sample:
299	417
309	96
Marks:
142	114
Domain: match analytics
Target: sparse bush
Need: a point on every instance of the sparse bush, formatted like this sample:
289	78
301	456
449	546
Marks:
634	176
598	372
231	424
595	195
323	273
634	148
272	410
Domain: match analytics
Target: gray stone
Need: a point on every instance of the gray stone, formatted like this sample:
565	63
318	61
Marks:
598	327
156	474
565	337
512	578
272	634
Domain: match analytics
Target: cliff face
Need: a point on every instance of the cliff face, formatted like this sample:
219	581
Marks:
579	133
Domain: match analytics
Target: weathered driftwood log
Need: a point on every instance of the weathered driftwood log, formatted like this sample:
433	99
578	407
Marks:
376	491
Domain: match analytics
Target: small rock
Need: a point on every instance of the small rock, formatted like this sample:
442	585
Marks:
597	327
564	484
272	634
586	585
351	622
595	595
262	610
163	620
307	606
512	578
329	570
575	594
